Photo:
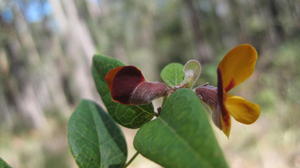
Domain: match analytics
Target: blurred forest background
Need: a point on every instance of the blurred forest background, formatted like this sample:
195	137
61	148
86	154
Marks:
46	48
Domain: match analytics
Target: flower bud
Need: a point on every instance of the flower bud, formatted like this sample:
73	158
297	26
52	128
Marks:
208	94
128	86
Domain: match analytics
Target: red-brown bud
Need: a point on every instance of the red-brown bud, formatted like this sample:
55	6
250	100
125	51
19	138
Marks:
208	94
212	97
128	86
147	91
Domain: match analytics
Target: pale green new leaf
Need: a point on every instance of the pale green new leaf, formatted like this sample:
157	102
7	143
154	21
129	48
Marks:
172	74
94	139
181	137
192	71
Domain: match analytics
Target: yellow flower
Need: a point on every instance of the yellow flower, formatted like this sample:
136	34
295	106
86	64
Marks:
237	66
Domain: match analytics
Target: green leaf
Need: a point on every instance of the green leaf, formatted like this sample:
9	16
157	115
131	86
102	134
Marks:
127	115
192	71
94	139
3	164
172	74
181	137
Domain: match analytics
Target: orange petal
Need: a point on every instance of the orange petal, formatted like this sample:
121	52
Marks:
237	65
242	110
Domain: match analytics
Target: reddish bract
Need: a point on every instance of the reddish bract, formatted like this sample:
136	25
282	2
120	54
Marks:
128	86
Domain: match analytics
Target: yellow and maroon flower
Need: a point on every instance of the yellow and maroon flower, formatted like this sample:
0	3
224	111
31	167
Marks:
128	86
237	65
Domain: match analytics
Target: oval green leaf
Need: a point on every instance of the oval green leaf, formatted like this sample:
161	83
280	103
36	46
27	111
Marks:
94	139
181	137
172	74
127	115
3	164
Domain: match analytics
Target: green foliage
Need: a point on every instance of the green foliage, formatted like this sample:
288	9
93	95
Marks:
181	136
95	140
172	74
126	115
3	164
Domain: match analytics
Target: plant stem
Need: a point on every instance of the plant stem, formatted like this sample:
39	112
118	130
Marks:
133	157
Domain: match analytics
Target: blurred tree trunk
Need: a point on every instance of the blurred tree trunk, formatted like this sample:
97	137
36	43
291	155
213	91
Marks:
142	27
33	86
26	100
79	46
236	20
203	50
276	24
216	25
